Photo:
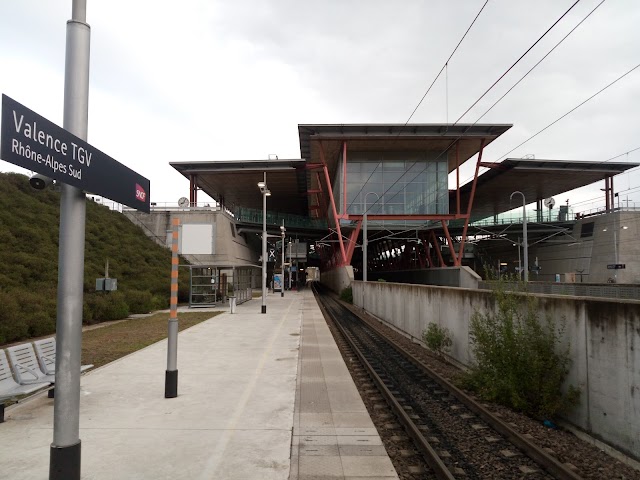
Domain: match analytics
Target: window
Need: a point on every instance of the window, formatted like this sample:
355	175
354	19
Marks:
587	230
395	184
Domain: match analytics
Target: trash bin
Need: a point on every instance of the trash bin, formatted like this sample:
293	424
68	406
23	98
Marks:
232	304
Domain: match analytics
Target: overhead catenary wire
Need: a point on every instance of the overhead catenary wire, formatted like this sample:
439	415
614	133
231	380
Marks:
572	110
468	127
445	65
517	61
539	62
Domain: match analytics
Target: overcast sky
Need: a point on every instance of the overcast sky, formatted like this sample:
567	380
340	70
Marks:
210	80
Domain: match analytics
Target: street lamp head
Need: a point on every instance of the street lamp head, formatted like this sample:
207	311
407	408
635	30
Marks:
267	192
261	185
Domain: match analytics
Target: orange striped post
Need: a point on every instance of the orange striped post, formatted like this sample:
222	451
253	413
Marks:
171	375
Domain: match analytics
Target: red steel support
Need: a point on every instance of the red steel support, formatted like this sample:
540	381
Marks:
320	194
458	178
436	246
344	177
193	190
352	241
333	205
313	166
452	250
471	197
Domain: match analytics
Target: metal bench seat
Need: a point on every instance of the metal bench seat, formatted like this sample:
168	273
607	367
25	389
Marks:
26	367
9	388
46	353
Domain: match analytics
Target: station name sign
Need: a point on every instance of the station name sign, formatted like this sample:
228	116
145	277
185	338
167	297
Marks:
33	142
616	266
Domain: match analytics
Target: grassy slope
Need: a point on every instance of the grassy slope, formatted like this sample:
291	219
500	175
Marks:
29	254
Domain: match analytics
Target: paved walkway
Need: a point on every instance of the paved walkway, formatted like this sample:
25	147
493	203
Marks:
240	377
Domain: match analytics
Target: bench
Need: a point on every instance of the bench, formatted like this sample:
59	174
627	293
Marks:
9	388
46	353
26	367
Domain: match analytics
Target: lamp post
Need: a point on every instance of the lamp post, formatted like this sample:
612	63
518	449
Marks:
524	235
282	230
290	263
265	193
365	240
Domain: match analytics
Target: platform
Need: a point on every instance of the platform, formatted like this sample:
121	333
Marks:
259	397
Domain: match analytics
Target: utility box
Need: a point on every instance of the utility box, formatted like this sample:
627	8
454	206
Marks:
106	284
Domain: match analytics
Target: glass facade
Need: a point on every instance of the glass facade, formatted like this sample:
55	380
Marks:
394	184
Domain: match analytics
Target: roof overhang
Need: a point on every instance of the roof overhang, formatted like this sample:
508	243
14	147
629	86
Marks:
435	138
235	182
536	179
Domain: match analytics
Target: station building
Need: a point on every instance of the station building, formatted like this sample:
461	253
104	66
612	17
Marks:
397	193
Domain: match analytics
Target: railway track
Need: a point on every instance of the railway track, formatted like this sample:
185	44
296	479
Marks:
455	435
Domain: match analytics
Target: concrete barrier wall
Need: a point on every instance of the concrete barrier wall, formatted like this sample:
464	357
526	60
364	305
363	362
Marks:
603	336
337	279
463	277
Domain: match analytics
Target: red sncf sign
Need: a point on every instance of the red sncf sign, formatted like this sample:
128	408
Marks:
140	193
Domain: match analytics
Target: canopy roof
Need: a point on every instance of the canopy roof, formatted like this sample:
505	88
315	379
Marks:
536	179
234	182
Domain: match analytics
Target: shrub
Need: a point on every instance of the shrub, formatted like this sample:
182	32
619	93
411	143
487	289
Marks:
139	301
519	360
347	295
107	306
437	338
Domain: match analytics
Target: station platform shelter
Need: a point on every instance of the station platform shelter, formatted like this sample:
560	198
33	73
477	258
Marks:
383	198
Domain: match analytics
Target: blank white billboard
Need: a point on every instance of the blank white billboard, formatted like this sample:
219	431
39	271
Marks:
197	239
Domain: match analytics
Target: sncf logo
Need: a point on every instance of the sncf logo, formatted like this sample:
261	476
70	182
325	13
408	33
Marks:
140	193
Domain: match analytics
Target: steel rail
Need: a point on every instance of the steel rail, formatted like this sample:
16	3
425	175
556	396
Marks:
549	463
429	454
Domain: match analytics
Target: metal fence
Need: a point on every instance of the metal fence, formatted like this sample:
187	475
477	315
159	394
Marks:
250	215
604	290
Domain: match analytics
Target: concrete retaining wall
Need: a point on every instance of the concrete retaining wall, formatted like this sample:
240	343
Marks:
338	278
229	247
463	277
603	334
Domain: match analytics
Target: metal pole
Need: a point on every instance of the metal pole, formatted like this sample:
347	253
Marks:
524	235
282	280
365	241
65	450
290	263
616	227
297	262
519	260
171	374
264	245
